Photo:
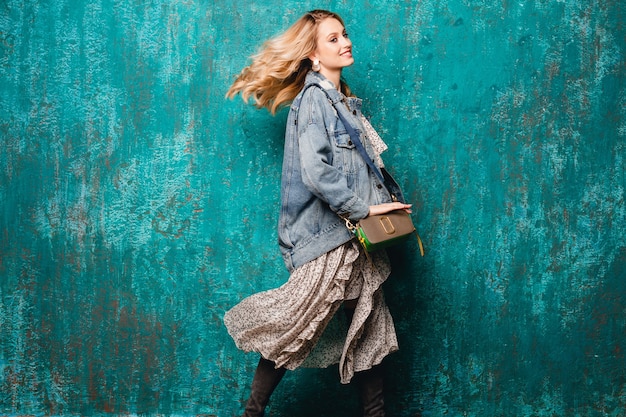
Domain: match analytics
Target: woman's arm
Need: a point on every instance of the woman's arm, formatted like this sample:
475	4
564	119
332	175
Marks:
319	174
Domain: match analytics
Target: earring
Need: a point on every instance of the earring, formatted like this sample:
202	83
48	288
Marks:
316	65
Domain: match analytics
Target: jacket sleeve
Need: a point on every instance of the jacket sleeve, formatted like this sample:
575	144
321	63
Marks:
319	174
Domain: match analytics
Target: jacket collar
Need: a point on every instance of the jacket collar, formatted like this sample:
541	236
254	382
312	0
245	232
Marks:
316	78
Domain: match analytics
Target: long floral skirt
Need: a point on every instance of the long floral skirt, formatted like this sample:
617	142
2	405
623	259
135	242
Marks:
296	325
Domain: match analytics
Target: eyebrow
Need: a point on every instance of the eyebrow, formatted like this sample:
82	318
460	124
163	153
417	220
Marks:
335	34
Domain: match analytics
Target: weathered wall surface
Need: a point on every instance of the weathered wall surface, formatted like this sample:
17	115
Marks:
138	205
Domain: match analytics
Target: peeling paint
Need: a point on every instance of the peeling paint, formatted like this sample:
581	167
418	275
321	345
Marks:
138	205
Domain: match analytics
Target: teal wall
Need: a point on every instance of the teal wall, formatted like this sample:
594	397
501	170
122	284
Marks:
138	205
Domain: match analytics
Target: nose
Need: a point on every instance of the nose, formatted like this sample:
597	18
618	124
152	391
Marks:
346	41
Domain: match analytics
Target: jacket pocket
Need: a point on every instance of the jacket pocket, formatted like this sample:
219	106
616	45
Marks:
350	161
343	140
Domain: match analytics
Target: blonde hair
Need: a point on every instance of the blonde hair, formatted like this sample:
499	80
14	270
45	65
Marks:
278	71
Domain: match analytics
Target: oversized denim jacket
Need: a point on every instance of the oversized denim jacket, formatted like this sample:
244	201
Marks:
324	178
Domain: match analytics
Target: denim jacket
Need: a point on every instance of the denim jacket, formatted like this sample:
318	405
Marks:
324	178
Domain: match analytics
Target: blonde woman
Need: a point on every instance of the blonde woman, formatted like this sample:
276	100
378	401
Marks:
324	180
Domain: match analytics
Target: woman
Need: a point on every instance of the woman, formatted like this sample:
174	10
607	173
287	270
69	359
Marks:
324	181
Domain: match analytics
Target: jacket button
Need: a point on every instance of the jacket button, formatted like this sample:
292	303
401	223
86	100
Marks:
379	186
350	142
354	112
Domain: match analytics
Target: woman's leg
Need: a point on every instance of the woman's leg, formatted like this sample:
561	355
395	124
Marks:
348	309
266	378
369	382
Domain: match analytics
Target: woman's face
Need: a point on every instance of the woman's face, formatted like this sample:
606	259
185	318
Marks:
334	48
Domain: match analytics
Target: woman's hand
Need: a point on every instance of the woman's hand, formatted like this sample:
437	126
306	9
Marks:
387	207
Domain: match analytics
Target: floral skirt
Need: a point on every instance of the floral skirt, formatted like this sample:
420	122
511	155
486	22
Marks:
296	325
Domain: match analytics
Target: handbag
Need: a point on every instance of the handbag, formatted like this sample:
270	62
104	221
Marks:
384	230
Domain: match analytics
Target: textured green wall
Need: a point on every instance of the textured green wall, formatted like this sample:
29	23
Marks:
138	205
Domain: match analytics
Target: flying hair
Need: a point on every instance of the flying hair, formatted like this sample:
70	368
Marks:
277	73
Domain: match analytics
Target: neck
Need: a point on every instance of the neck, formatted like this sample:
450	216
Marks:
333	76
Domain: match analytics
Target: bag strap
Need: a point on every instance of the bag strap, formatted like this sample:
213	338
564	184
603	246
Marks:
354	135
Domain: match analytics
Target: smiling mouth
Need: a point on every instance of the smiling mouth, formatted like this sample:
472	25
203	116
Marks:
348	52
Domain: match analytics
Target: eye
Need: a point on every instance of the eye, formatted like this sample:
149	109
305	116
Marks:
345	35
333	40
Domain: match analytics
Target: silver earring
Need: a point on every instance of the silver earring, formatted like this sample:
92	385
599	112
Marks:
316	65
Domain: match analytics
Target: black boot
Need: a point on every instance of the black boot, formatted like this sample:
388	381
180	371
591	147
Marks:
370	384
266	378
